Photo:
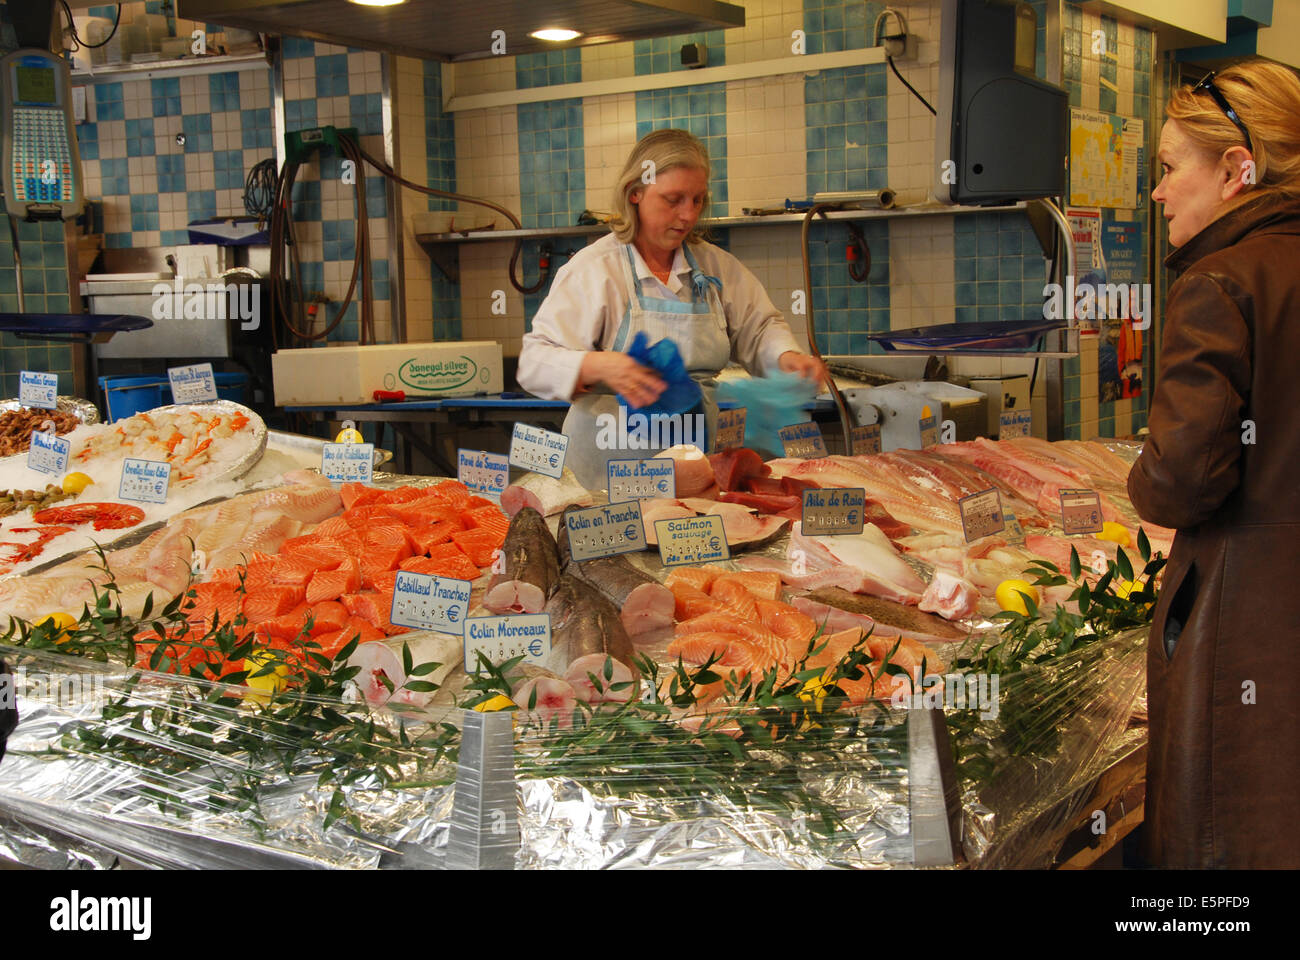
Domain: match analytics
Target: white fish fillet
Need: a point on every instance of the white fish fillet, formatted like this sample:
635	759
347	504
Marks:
546	495
884	572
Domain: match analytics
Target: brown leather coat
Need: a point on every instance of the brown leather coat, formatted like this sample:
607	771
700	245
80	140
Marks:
1223	772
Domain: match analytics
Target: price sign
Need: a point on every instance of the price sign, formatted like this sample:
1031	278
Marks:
1014	532
48	453
981	514
144	481
929	431
483	472
348	433
692	540
1080	512
833	511
730	431
605	531
193	384
1015	423
803	441
526	635
865	439
348	462
641	479
542	451
426	602
37	389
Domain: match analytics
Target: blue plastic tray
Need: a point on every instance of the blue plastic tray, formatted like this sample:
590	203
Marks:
1000	335
70	327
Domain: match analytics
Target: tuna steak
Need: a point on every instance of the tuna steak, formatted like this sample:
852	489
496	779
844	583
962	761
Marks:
531	567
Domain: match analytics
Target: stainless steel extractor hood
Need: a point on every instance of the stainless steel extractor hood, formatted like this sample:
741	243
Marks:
463	29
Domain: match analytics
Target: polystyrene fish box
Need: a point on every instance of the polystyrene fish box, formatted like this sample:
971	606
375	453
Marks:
351	374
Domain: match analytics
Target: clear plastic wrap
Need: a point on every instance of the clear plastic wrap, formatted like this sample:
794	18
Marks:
630	785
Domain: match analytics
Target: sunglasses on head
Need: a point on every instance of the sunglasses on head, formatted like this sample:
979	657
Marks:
1207	84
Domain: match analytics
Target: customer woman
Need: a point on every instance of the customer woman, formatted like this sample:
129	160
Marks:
654	273
1222	466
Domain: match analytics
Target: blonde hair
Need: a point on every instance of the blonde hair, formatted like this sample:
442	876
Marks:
1266	96
666	150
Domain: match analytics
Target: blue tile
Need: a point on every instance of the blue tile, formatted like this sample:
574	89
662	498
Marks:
964	244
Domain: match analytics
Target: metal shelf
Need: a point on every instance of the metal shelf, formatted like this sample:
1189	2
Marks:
925	210
181	67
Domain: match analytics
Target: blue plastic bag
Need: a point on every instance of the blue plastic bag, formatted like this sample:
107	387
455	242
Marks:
682	395
770	403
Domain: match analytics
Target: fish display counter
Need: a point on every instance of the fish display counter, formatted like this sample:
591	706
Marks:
311	694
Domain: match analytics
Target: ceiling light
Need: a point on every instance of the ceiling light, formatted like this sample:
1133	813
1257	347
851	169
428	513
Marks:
377	3
555	35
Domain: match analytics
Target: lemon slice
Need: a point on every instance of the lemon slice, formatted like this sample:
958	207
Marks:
349	435
64	623
1009	596
76	482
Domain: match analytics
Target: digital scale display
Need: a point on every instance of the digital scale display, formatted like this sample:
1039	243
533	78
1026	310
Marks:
35	84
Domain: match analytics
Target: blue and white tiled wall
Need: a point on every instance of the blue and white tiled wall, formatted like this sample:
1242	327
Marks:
790	136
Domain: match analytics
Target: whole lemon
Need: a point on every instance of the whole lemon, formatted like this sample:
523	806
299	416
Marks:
1116	533
269	682
64	623
1009	596
76	482
499	702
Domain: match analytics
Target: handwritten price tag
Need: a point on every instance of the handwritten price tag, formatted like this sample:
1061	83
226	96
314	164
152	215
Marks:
483	472
929	431
1014	532
542	451
641	479
692	540
605	531
833	511
193	384
1080	512
526	635
981	514
1015	423
348	462
37	389
144	481
426	602
865	439
48	453
803	441
730	431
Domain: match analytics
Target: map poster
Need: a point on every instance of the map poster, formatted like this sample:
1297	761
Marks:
1104	157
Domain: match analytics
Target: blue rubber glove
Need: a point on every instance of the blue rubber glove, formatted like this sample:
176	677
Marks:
682	395
770	403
